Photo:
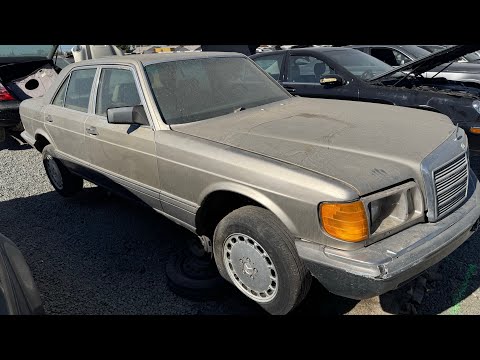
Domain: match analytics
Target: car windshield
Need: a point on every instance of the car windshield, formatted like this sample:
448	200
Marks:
198	89
359	63
35	51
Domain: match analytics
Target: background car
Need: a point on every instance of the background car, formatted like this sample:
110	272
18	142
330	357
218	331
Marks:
18	292
86	52
25	71
398	55
472	57
350	74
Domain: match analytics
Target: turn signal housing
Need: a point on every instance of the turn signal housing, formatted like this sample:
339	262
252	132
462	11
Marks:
345	221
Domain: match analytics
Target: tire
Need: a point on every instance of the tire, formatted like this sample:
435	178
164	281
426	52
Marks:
64	182
252	246
195	278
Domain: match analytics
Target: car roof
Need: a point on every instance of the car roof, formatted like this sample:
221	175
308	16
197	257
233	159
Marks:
145	59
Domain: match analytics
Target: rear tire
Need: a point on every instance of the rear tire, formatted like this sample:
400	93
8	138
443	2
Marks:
256	252
65	183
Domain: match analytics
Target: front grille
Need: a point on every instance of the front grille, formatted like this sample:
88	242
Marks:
451	185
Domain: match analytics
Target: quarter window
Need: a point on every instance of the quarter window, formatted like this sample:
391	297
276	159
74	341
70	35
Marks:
79	88
116	88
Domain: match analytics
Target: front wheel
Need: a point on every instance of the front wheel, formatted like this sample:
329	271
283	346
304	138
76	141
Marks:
66	183
255	251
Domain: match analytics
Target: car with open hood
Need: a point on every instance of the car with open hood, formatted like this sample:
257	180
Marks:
350	74
18	292
361	196
25	71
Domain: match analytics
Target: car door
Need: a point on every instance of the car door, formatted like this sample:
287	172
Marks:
302	77
122	154
65	116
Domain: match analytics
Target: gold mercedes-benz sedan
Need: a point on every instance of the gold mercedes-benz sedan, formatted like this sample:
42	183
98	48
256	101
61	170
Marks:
362	196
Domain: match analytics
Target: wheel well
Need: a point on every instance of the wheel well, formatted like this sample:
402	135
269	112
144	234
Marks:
40	142
215	207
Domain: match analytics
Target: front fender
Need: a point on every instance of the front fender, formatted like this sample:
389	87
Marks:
253	194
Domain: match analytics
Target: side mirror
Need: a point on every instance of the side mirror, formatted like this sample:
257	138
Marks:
332	80
127	115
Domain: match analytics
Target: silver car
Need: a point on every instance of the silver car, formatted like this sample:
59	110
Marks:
361	196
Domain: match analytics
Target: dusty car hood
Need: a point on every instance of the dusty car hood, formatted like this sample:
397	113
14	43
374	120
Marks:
368	146
433	60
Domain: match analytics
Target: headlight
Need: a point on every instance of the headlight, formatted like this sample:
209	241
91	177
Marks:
374	217
476	105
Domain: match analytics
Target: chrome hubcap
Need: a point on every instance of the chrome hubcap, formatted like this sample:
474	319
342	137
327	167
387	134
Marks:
54	172
250	267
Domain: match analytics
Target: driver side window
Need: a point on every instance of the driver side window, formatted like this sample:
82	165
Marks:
307	69
116	88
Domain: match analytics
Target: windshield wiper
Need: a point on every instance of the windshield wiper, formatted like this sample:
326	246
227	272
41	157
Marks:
241	108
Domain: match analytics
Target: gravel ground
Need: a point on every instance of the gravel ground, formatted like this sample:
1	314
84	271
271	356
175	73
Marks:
101	254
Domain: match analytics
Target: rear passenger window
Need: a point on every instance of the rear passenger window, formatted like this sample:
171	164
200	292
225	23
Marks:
79	88
116	88
60	97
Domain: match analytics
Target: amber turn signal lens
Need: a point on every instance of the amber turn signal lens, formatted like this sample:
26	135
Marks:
475	130
345	221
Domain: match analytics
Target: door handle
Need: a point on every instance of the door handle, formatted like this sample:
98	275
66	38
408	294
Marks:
92	130
290	90
49	118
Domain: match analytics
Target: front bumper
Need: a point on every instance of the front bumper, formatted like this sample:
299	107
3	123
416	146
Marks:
9	115
389	263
